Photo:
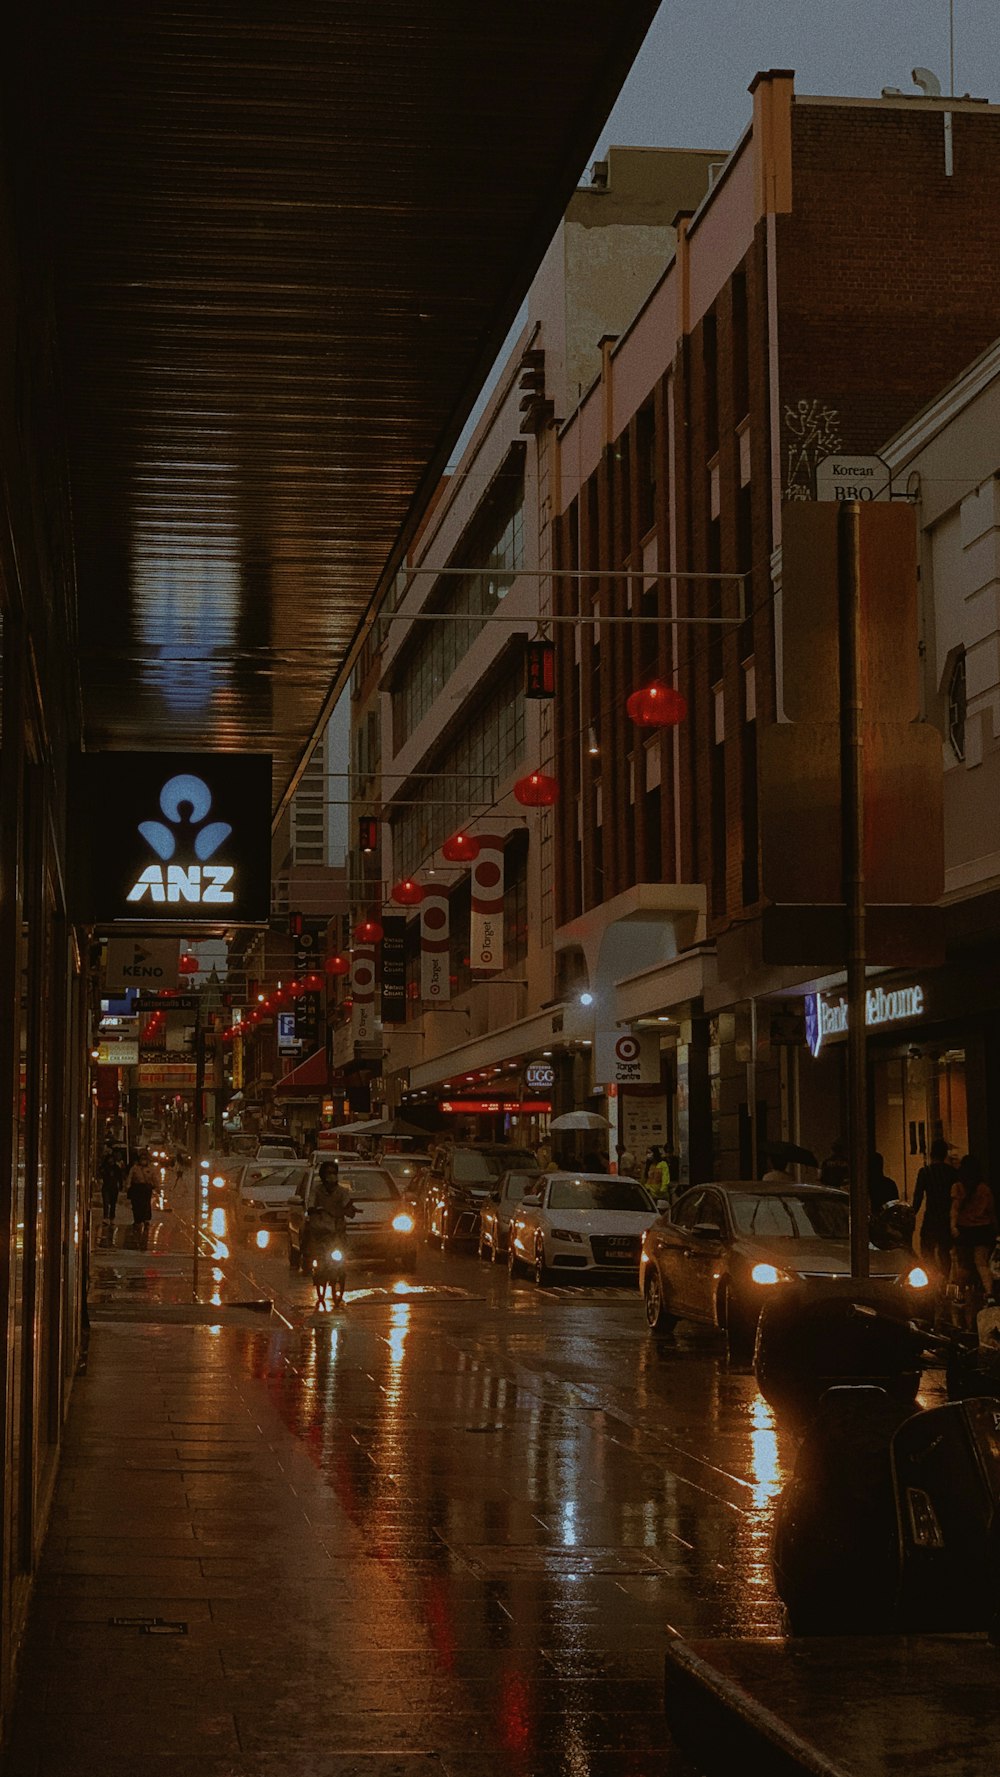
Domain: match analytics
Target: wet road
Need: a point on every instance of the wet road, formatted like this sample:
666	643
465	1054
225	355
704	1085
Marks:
536	1491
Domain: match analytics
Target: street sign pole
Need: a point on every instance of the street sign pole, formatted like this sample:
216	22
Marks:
852	841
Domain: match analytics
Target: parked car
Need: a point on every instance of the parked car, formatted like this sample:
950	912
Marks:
276	1149
497	1210
460	1180
580	1222
382	1232
405	1168
261	1193
715	1257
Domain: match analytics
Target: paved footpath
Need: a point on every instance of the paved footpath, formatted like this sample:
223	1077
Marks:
443	1536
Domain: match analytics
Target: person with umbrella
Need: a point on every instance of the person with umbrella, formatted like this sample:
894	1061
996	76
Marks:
785	1154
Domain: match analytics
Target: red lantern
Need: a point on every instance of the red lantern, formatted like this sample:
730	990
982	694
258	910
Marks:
657	706
537	790
407	893
368	932
461	848
338	965
188	964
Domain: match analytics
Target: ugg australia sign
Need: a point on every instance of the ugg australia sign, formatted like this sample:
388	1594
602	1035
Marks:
174	839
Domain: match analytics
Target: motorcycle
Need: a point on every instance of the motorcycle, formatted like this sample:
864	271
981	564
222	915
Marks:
890	1522
329	1273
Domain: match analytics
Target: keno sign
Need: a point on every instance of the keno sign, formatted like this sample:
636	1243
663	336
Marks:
627	1058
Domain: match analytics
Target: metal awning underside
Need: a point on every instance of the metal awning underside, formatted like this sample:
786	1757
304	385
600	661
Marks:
289	239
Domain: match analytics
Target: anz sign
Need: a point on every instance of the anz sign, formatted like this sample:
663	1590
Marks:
173	838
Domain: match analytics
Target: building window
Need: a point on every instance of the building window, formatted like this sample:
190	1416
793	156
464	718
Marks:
494	543
957	706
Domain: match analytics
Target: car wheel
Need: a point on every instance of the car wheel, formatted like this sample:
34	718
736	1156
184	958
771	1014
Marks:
740	1328
657	1317
543	1274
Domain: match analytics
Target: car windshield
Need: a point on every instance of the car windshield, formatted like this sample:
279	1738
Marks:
289	1179
369	1187
471	1166
598	1193
790	1215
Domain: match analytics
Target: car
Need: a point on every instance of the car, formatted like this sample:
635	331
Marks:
580	1222
460	1180
405	1169
276	1150
384	1230
723	1247
261	1194
497	1210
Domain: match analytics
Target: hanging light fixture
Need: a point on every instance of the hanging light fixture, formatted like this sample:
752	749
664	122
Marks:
368	931
408	893
657	706
461	848
537	790
338	965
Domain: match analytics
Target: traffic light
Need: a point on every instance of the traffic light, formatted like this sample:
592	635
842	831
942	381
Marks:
540	669
367	833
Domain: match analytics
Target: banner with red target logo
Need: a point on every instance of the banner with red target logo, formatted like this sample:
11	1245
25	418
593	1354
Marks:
435	948
627	1058
486	928
363	994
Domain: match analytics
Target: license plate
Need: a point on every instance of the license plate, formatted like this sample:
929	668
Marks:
619	1243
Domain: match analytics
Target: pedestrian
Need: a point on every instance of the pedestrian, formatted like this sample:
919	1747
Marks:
933	1192
881	1188
658	1176
777	1172
142	1182
626	1163
595	1161
543	1154
111	1183
973	1220
834	1170
180	1162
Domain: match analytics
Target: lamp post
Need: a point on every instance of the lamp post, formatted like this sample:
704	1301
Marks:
852	814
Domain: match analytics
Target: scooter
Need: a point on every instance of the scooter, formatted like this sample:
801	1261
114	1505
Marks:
329	1271
890	1522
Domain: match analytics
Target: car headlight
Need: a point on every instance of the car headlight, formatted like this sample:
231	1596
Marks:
770	1274
253	1203
403	1224
567	1234
337	1256
917	1278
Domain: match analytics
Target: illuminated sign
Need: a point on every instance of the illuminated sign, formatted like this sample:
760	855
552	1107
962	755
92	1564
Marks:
539	1074
117	1054
180	839
826	1016
530	1107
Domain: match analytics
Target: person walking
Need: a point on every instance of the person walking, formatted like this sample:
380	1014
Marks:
658	1176
834	1170
974	1220
111	1183
881	1188
142	1182
626	1163
933	1194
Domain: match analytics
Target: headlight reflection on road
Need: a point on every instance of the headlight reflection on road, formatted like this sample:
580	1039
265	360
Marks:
263	1238
764	1463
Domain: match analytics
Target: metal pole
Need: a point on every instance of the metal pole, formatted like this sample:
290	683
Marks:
852	844
752	1087
199	1088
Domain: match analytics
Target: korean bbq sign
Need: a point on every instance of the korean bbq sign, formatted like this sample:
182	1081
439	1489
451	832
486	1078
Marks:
174	838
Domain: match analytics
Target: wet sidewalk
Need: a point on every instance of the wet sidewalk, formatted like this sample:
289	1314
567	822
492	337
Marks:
218	1599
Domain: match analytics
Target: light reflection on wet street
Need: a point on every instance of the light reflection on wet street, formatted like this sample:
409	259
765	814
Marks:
508	1497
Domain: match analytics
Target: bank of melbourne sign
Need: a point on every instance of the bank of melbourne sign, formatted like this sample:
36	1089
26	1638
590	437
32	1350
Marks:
173	838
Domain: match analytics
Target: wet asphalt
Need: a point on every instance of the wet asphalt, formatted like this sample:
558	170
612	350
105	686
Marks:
509	1497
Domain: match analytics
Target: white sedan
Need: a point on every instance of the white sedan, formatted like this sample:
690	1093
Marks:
582	1222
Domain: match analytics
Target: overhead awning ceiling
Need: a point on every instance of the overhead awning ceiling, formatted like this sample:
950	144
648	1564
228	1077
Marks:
309	1078
288	241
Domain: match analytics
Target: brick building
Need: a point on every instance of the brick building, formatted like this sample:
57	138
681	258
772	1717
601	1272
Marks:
838	273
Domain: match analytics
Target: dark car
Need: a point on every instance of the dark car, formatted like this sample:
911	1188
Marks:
724	1247
499	1207
460	1180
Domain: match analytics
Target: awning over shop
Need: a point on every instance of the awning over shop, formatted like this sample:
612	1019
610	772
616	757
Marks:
308	1080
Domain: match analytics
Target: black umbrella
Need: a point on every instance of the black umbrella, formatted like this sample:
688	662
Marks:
788	1153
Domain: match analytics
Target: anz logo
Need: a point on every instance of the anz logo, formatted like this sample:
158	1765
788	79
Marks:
185	801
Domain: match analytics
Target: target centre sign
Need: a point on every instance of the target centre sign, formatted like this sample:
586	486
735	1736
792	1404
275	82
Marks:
627	1058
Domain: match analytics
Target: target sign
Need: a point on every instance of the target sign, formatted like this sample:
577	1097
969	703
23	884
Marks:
627	1058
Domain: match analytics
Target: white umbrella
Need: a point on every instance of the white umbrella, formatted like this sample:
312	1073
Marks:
580	1120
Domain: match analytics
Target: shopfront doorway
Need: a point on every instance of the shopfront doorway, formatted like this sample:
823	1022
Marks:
918	1094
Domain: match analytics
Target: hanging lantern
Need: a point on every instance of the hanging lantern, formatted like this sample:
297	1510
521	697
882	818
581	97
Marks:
657	706
461	848
407	893
188	964
338	965
537	790
368	932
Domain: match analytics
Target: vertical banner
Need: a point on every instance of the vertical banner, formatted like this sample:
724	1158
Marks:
435	948
393	968
363	994
486	932
307	1019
